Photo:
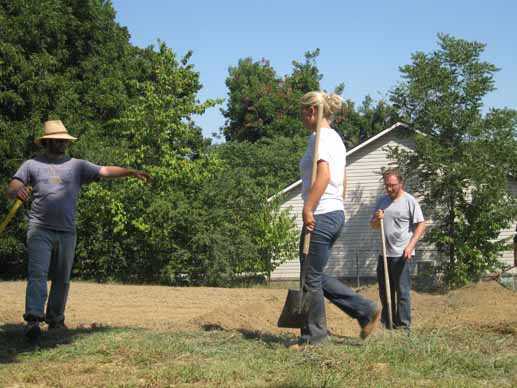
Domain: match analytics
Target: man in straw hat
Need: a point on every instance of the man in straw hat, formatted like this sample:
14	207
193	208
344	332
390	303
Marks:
56	180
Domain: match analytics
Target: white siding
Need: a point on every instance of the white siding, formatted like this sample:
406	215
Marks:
507	256
355	252
293	202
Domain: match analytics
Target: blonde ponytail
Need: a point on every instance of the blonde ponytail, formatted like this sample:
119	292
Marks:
328	104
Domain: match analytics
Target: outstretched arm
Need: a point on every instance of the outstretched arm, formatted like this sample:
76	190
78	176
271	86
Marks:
114	172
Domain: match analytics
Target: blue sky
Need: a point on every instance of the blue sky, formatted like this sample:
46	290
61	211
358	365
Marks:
362	43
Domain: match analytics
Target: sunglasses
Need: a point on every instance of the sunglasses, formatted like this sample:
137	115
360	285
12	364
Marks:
391	185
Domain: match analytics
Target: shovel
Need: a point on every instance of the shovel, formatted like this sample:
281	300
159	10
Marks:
298	302
296	309
389	324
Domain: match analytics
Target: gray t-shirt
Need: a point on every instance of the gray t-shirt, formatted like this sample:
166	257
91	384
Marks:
56	186
400	217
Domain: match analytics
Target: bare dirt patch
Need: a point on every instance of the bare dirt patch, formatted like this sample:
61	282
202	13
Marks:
485	305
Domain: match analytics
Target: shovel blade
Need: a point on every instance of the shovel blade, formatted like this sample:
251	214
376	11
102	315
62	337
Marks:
296	309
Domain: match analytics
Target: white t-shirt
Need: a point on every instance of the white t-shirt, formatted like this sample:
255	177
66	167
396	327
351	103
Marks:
332	150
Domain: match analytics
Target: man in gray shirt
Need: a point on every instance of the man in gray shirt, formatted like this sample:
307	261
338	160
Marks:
403	226
56	180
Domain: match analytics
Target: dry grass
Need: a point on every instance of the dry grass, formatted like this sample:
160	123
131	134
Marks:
118	357
150	336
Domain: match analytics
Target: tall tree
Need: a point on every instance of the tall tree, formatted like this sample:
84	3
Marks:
463	179
261	104
134	233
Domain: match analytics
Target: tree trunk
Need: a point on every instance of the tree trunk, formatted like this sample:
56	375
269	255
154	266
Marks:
452	217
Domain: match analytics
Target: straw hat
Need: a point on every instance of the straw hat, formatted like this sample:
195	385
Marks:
54	129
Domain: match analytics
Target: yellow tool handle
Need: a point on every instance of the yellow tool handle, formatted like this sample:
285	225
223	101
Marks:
11	214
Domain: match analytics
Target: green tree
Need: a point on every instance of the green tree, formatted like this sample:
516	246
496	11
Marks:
132	224
261	104
462	162
271	163
370	118
197	224
250	109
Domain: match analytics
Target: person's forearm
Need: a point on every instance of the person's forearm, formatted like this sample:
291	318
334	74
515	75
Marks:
12	190
419	231
317	190
375	223
112	172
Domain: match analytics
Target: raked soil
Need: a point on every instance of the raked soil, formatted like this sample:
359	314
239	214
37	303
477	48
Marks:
485	305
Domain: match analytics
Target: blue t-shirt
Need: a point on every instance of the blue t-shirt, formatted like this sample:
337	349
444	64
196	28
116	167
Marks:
55	189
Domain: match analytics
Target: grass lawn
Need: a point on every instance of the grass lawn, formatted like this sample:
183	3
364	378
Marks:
117	357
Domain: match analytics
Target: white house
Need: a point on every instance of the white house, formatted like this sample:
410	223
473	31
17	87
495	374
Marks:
354	254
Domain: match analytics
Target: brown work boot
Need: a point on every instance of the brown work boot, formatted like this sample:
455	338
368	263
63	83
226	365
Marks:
57	326
372	324
32	330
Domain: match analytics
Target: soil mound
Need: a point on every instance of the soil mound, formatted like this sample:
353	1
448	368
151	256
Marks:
485	305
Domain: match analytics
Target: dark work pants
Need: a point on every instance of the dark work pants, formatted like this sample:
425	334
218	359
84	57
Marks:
399	271
327	229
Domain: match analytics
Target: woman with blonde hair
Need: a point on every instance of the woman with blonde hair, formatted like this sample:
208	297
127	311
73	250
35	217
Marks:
323	192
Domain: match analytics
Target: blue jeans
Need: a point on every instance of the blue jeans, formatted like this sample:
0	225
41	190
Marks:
327	229
51	256
399	271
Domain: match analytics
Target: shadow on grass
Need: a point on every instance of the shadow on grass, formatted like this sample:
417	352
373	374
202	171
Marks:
265	337
13	341
268	338
286	340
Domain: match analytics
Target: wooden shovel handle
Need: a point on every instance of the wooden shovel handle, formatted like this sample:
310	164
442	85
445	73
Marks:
386	276
307	240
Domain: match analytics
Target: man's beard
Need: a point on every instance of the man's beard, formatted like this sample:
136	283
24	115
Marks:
56	149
